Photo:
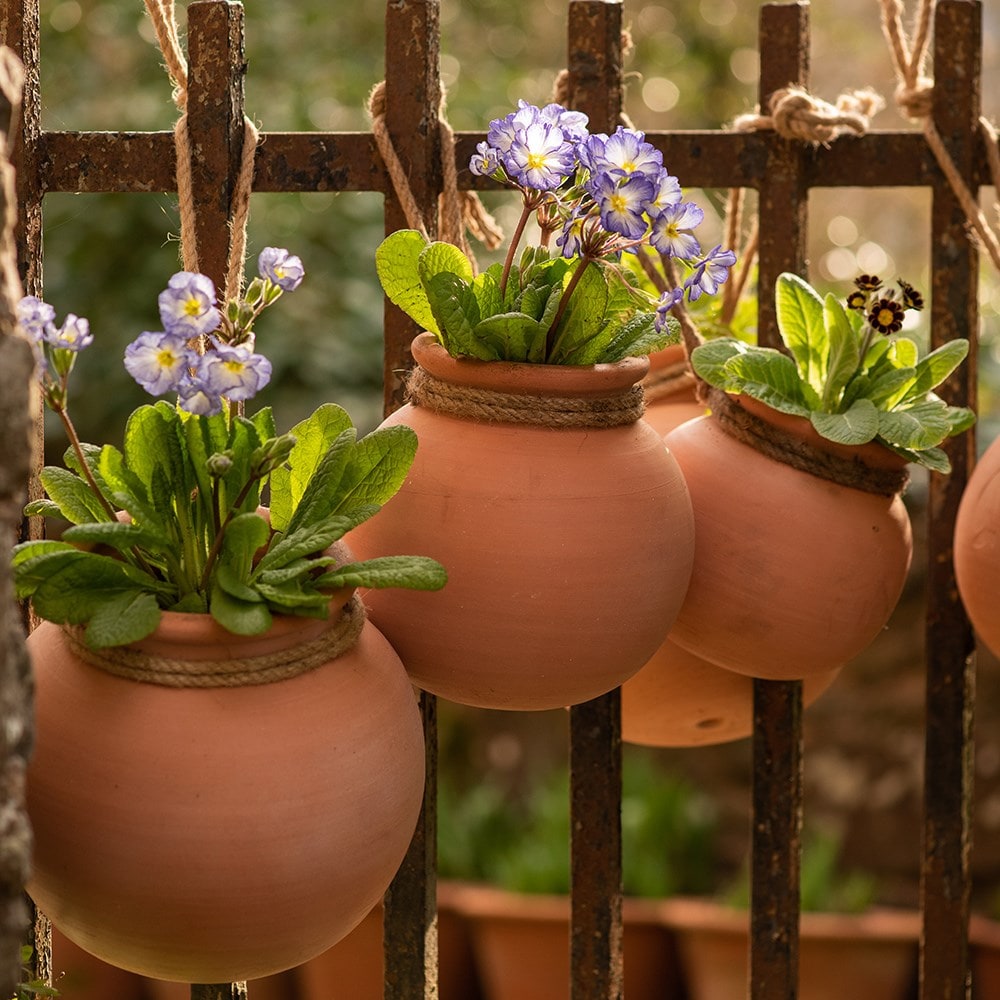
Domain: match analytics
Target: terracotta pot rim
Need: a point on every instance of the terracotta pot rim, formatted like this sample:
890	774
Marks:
525	378
682	913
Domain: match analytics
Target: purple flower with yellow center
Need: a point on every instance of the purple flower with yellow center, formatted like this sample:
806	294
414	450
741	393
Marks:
621	202
34	317
159	361
74	335
234	372
572	124
666	193
187	305
280	268
671	231
710	273
626	152
485	161
540	157
193	396
667	302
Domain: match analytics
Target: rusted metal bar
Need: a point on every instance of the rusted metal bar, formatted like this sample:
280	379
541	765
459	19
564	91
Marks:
594	86
777	738
413	100
950	657
215	125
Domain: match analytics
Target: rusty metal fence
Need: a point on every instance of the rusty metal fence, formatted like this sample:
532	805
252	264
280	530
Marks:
782	172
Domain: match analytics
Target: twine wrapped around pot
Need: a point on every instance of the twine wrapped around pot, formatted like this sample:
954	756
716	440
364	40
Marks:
241	671
487	405
792	450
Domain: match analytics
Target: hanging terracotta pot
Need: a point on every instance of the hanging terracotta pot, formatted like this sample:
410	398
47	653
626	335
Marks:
564	523
680	700
194	831
795	571
977	547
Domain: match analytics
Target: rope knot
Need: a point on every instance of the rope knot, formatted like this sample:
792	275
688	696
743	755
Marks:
916	102
797	114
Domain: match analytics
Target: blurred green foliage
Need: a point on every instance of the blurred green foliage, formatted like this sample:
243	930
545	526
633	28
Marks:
520	841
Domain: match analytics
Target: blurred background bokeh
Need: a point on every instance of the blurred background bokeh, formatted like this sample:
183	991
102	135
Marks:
693	65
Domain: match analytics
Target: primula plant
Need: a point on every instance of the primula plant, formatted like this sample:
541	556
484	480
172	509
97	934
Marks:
846	370
596	197
173	520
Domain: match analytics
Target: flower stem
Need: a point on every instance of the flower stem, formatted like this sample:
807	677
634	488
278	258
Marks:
512	249
213	554
550	336
74	440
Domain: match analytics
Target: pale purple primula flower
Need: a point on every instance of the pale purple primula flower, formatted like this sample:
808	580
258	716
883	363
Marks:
73	335
666	193
485	161
234	372
667	302
281	268
621	203
671	230
540	158
187	305
194	397
34	317
625	152
159	361
710	273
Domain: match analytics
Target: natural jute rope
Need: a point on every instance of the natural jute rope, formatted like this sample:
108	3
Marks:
134	665
914	94
784	447
162	16
488	406
458	211
795	114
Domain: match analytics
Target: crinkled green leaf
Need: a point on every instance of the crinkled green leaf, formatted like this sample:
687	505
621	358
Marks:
128	617
638	337
287	548
153	452
890	387
42	508
845	346
297	569
457	312
935	367
321	497
800	320
116	535
376	468
509	335
583	320
75	585
934	459
486	288
313	438
770	376
411	572
396	263
239	617
904	352
73	496
292	597
243	536
710	361
858	425
924	425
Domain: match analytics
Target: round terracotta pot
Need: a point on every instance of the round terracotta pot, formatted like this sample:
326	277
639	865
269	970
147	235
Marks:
680	700
794	575
208	835
670	390
522	945
977	547
568	549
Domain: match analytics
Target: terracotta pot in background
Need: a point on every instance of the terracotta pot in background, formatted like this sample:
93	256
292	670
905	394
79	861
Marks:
210	835
568	549
681	700
867	956
984	957
793	575
522	946
977	547
353	969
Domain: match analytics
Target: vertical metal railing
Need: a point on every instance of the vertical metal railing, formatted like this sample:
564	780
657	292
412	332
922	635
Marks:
782	172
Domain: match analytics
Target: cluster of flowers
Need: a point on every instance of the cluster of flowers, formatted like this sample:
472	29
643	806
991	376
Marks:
165	361
883	311
603	194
